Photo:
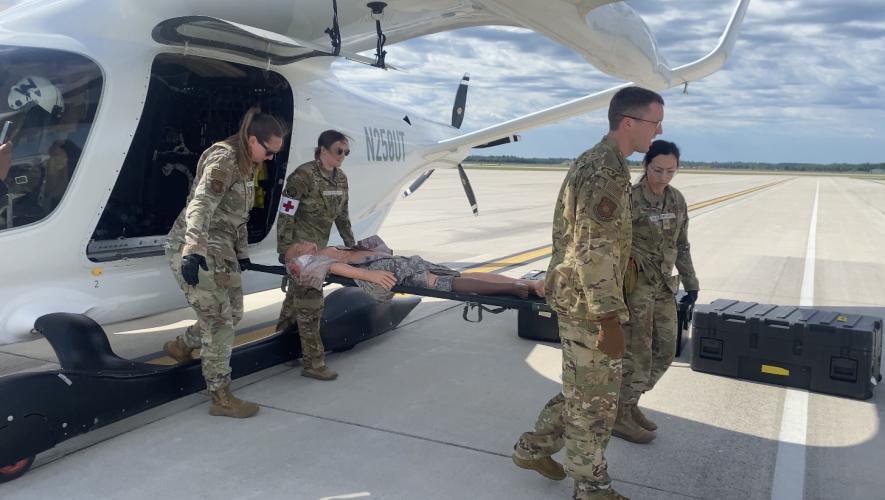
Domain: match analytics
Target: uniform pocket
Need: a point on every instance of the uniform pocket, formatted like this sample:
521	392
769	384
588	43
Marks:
631	276
560	290
224	270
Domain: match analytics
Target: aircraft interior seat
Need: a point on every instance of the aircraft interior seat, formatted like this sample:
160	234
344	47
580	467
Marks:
22	205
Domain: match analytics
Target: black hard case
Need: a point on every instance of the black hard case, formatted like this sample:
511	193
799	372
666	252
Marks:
814	349
538	324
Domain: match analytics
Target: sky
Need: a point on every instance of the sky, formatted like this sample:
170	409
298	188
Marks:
805	83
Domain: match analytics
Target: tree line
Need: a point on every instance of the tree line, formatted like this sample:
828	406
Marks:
706	165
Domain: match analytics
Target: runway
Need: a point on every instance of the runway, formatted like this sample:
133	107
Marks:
432	409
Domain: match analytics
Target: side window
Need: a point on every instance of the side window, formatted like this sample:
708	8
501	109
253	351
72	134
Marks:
51	98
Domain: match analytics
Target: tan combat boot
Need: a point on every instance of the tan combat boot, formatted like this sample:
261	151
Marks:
224	404
178	350
321	373
642	420
628	429
546	466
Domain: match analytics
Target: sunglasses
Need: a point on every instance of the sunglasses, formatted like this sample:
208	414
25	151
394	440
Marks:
271	154
340	151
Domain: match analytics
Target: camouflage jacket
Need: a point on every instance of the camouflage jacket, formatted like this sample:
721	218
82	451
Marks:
214	219
591	237
660	236
312	200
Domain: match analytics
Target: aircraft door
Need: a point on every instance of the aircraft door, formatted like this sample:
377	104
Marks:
191	103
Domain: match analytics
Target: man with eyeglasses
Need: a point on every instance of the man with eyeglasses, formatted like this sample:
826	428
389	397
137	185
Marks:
315	197
592	231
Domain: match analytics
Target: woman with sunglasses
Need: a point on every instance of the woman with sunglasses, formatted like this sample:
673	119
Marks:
660	242
315	196
207	249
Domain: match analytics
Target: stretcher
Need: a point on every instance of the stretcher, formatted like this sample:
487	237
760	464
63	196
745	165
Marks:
473	303
535	319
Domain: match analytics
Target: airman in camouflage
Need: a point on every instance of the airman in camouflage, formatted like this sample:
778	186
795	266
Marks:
660	241
207	249
314	197
584	285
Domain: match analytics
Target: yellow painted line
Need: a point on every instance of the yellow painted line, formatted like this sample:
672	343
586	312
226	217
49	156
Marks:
521	258
720	199
242	339
513	260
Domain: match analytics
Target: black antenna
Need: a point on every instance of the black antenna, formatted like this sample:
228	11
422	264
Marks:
335	32
377	10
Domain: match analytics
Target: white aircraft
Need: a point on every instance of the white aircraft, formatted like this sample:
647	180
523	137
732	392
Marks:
112	101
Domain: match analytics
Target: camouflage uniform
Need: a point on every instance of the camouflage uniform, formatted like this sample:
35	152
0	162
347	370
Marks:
591	245
213	224
321	198
660	241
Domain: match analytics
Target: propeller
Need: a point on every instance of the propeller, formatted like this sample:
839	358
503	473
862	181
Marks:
417	183
497	142
460	101
457	118
468	190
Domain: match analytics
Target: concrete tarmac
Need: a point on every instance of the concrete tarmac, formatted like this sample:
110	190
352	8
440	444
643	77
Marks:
432	409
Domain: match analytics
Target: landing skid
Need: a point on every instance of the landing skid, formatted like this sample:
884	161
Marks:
95	387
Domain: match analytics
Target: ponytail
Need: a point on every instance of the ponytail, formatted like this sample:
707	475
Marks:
262	126
326	139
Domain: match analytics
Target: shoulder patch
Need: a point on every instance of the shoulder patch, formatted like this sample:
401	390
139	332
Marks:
288	206
216	185
613	189
605	209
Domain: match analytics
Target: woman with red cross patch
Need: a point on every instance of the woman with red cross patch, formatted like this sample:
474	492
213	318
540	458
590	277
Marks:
314	198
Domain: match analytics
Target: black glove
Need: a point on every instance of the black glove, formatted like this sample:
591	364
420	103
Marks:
189	270
244	263
690	296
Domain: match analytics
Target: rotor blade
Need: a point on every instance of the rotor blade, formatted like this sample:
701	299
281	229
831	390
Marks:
417	183
497	142
460	102
468	190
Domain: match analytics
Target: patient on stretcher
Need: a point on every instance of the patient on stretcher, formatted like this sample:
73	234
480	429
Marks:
376	270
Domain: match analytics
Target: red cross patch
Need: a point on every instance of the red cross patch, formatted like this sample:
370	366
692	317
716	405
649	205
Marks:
288	205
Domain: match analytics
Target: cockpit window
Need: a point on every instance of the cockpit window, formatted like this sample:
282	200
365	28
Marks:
50	97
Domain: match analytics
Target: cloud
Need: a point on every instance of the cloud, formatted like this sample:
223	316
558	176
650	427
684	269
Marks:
803	72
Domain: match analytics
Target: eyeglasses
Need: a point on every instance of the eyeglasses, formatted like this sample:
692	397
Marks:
662	170
268	153
340	151
656	124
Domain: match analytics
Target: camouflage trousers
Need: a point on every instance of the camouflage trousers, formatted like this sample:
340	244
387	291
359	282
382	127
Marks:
217	299
304	306
581	417
651	338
